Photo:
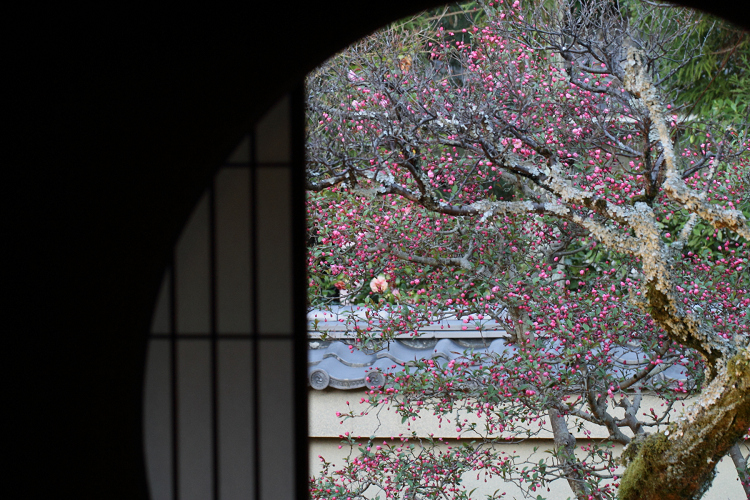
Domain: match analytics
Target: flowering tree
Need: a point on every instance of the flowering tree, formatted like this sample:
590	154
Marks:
535	171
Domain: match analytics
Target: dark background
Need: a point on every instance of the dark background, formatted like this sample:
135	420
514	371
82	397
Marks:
115	120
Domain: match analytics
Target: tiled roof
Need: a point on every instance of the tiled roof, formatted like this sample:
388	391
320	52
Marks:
335	360
341	365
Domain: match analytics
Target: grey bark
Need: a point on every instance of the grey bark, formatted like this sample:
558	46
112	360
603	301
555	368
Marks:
740	463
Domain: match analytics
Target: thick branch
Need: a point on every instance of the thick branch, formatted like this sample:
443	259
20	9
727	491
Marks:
631	410
326	183
639	83
680	462
599	409
565	445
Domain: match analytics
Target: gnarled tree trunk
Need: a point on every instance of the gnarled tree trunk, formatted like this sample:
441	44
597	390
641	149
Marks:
680	463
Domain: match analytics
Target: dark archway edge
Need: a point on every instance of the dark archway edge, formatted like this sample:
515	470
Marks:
116	118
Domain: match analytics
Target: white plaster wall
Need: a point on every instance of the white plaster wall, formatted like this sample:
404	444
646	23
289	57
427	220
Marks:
324	423
325	428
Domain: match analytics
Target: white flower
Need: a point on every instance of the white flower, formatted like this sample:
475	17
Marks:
379	284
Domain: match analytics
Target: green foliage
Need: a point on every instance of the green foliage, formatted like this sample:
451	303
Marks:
716	84
419	156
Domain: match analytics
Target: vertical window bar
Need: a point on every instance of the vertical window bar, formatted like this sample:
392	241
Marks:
213	352
173	376
254	309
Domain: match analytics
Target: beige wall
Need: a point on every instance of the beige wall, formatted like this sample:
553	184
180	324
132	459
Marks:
325	428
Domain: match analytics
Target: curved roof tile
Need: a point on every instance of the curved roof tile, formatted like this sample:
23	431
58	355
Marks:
341	365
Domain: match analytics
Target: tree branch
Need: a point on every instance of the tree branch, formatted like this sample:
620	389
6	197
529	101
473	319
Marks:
680	462
740	463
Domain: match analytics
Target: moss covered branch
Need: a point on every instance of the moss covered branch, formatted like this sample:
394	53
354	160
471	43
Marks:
680	463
